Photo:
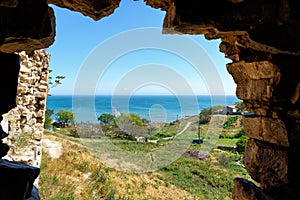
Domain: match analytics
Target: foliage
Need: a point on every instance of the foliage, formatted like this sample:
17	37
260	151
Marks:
232	133
240	133
162	134
239	106
205	179
205	114
49	112
86	130
131	125
65	117
241	143
144	120
106	118
22	140
192	178
64	178
136	120
227	142
48	119
57	80
230	122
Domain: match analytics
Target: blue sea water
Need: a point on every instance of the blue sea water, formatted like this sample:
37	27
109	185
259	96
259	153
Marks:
160	108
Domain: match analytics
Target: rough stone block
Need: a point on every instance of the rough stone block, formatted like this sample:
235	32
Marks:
28	26
266	129
255	80
37	135
253	90
245	190
93	9
9	3
43	88
266	164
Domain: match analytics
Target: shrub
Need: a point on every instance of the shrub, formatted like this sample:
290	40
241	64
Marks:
241	143
230	121
240	133
204	116
48	119
206	113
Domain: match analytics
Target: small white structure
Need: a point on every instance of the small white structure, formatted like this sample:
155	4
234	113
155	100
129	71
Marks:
227	110
141	139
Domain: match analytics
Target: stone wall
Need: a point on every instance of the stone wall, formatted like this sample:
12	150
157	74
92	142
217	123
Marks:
25	123
261	37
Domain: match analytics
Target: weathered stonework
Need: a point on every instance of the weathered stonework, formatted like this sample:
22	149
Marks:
266	164
245	189
28	26
266	129
255	80
261	37
25	123
93	9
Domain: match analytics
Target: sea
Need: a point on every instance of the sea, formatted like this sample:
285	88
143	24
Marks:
155	108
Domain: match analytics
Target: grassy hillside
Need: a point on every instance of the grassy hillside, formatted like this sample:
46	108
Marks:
78	174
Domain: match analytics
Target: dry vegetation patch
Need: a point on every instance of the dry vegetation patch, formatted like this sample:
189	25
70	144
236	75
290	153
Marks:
77	174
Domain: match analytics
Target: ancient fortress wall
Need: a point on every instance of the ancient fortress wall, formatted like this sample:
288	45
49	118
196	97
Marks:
25	123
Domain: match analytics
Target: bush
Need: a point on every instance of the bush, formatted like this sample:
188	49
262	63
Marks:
240	133
48	119
206	113
241	143
160	135
131	125
204	116
230	121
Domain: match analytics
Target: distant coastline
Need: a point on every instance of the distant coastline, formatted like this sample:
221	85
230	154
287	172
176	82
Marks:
152	107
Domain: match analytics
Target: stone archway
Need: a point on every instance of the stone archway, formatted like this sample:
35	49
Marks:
261	37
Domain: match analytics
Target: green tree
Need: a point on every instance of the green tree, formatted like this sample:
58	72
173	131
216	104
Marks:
106	118
131	125
136	120
54	82
48	119
65	117
204	116
206	113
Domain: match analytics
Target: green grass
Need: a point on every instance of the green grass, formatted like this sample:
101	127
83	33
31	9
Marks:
64	179
136	147
227	142
184	177
230	122
203	178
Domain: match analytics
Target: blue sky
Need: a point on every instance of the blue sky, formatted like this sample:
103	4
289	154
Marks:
82	43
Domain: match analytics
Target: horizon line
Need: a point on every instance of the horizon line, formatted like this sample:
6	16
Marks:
143	95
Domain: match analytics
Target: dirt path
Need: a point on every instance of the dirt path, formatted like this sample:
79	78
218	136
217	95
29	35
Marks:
184	129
